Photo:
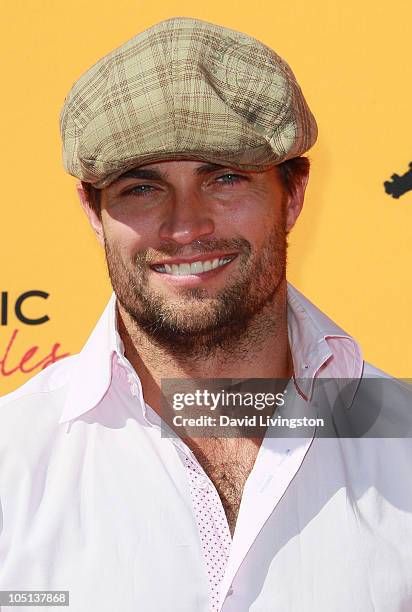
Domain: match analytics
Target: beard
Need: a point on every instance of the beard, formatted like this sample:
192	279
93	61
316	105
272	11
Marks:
195	323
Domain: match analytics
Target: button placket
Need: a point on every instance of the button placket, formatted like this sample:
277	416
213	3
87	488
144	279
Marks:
214	533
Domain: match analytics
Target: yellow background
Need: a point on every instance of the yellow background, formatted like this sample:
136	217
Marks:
350	252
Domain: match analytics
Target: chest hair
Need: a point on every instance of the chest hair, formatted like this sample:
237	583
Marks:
228	463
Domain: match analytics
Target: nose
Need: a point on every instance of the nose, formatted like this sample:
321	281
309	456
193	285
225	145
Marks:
188	218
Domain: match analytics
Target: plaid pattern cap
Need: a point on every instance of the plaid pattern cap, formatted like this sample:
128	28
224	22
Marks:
184	89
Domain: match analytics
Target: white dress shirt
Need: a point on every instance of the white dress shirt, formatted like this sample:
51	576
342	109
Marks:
95	501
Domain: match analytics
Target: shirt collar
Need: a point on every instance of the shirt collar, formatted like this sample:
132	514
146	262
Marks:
315	341
319	346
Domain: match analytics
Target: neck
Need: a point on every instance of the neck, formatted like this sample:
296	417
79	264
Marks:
262	351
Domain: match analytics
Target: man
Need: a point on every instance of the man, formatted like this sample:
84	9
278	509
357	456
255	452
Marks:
187	141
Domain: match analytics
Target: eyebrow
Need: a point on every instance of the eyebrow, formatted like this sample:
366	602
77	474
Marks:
157	175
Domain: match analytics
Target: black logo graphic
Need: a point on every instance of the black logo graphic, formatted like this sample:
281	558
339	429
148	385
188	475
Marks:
4	307
398	185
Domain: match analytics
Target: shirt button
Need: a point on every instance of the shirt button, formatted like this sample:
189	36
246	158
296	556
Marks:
202	482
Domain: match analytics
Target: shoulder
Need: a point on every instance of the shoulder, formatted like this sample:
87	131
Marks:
371	371
374	405
30	433
52	377
374	377
30	408
385	403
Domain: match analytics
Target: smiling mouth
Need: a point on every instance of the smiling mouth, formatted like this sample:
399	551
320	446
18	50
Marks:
194	267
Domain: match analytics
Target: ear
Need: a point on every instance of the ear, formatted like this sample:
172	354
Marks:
295	203
94	220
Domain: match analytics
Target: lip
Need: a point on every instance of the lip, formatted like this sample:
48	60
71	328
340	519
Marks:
202	257
191	280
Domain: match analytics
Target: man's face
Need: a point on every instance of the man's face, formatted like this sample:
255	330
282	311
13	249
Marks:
194	250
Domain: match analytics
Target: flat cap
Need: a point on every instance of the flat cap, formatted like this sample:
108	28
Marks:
184	89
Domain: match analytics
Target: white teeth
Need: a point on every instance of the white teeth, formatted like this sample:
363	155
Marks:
196	267
184	269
